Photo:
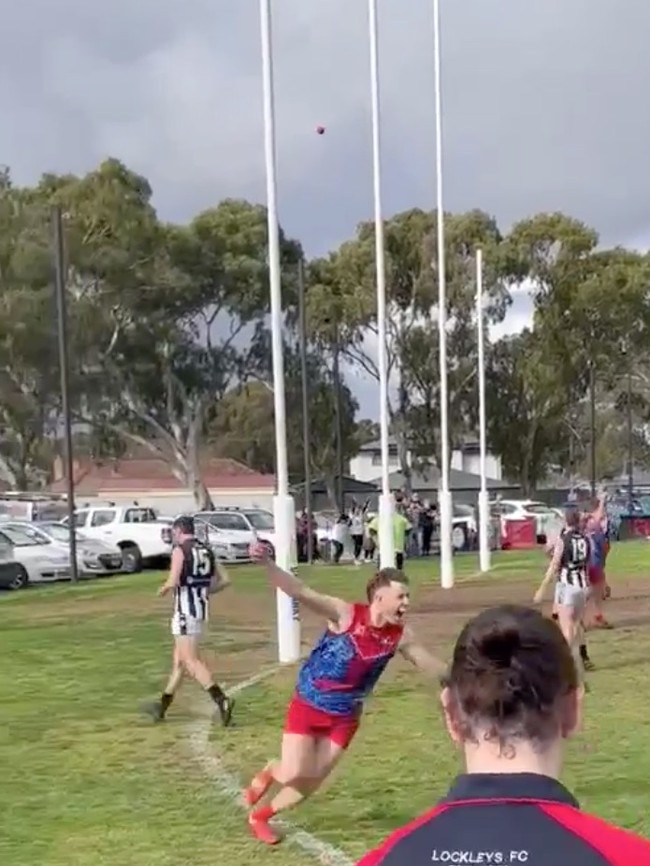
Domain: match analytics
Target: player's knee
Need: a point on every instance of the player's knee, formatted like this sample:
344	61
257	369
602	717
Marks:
303	782
192	666
285	774
293	772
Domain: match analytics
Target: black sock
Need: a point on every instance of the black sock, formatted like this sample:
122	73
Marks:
584	655
165	701
554	616
217	694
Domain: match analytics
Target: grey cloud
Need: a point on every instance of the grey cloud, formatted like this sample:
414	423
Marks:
543	104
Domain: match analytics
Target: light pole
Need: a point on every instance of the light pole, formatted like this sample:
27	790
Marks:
626	350
630	439
62	333
592	427
338	423
306	421
483	501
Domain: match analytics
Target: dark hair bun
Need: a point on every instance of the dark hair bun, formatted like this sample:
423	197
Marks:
509	667
500	644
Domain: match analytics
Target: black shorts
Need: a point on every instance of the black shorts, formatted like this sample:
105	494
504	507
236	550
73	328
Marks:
399	561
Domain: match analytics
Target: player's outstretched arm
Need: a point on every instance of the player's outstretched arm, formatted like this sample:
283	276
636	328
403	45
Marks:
551	572
599	513
419	656
334	609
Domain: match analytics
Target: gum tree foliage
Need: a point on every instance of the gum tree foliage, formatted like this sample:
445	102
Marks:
591	312
169	341
163	317
28	378
343	289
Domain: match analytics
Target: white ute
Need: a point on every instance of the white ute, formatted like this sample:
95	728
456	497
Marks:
138	533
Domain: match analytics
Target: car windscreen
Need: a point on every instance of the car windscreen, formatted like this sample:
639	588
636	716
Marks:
59	532
260	519
23	537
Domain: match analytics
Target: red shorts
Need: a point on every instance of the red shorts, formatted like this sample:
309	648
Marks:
308	721
596	575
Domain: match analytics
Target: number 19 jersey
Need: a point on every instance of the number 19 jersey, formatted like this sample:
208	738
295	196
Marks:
575	558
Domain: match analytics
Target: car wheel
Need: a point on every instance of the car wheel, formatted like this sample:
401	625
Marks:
459	537
131	559
21	579
270	549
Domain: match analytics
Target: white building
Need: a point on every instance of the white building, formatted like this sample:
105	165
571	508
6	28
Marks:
366	466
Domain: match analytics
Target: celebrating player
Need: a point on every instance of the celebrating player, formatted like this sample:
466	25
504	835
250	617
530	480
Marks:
333	683
194	576
587	663
597	529
568	568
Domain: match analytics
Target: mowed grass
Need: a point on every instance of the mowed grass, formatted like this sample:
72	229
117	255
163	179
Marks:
86	780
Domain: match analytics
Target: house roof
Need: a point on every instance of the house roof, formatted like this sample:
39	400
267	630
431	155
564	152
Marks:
429	479
349	485
154	474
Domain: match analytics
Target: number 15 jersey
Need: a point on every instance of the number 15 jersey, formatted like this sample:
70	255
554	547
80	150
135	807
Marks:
193	591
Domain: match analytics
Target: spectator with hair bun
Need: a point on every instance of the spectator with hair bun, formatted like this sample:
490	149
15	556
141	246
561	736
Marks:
511	699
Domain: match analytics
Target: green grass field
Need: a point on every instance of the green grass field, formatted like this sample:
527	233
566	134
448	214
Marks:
86	781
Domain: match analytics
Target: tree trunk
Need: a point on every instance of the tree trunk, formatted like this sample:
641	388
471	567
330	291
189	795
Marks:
330	487
191	458
202	496
7	474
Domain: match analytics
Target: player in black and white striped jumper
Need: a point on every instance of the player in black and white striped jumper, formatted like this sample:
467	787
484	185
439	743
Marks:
568	567
194	576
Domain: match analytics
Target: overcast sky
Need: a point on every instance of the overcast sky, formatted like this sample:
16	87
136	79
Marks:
545	106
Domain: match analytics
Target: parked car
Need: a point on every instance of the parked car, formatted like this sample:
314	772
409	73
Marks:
12	574
93	557
135	530
39	561
246	524
226	546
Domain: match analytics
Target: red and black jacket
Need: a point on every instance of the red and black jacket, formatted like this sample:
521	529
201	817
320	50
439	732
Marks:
495	820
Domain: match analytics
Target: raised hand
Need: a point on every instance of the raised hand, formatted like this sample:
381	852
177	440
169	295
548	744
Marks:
259	552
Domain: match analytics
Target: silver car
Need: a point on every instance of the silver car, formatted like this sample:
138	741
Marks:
12	574
93	556
39	560
227	547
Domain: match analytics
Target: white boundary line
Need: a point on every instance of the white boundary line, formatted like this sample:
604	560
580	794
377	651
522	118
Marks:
229	786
